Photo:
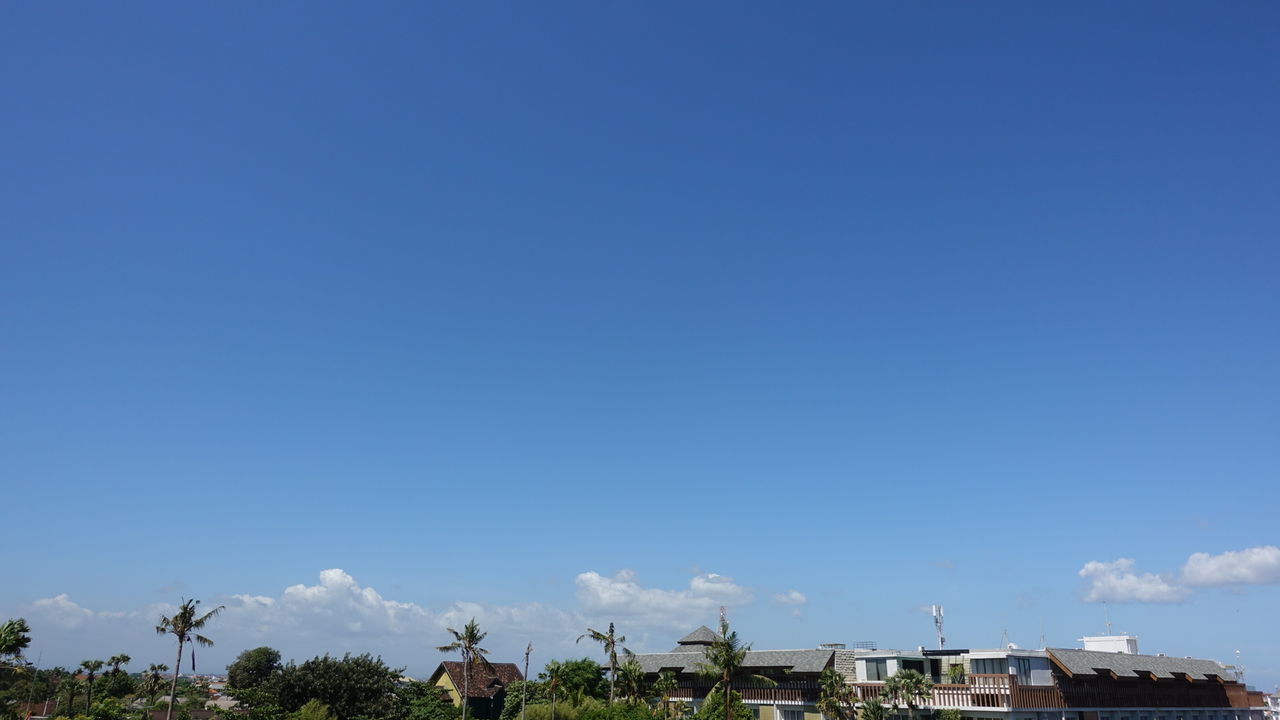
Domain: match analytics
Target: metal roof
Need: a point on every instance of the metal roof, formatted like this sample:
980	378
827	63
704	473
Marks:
806	661
1089	662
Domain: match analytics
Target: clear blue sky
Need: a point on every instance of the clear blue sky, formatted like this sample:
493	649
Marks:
889	305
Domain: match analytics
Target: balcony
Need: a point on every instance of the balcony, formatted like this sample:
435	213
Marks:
985	691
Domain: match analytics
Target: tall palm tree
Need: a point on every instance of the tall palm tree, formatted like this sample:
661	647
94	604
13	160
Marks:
553	675
467	643
611	643
836	697
184	625
664	686
91	668
910	688
873	709
725	658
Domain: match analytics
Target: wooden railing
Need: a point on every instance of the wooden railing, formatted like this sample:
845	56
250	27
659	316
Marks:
793	691
992	691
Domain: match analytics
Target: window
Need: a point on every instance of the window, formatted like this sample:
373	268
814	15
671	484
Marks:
1023	667
876	670
792	715
990	666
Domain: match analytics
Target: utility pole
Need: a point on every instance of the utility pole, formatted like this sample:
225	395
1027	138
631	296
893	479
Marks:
524	687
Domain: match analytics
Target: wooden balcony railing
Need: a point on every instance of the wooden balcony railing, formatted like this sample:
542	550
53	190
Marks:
993	691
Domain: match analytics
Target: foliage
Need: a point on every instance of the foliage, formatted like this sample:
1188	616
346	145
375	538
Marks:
664	686
908	687
108	709
873	709
631	683
152	682
359	686
116	685
511	705
580	676
253	668
948	714
955	674
572	706
312	710
611	643
624	711
14	638
836	697
424	701
713	708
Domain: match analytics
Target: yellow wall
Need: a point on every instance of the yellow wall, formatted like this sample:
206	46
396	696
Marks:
454	695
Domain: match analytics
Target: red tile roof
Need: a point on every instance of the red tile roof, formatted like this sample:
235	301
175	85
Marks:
486	681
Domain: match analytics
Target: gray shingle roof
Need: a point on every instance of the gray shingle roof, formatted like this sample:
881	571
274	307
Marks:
700	636
806	661
1088	662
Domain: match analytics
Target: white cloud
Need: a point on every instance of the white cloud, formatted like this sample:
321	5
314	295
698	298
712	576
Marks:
65	613
790	597
1251	566
1117	582
624	597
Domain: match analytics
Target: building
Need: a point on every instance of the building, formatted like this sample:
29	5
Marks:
997	684
486	688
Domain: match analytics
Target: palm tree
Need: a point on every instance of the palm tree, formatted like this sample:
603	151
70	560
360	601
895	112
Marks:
152	682
611	643
631	680
115	661
724	663
69	687
873	709
665	685
91	668
467	643
909	687
183	625
836	697
553	674
14	638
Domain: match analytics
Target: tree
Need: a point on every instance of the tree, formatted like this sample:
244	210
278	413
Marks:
152	683
115	661
715	708
582	676
423	701
184	625
611	643
253	668
724	664
467	643
873	709
553	675
665	685
313	710
14	639
631	682
836	698
948	714
91	668
910	688
353	686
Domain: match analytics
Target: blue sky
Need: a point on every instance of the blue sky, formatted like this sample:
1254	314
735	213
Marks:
365	320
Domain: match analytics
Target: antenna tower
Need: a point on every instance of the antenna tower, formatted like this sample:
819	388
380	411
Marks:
937	623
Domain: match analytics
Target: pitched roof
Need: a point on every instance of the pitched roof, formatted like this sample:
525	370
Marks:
485	681
702	636
687	659
1089	662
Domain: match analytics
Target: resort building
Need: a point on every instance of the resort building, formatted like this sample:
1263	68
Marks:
486	686
999	684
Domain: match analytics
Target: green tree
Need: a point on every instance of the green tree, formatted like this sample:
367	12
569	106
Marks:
725	658
873	709
715	708
184	625
611	643
467	643
313	710
948	714
115	661
14	639
582	676
665	685
353	686
91	668
910	688
631	684
527	690
836	697
253	667
424	701
152	682
553	677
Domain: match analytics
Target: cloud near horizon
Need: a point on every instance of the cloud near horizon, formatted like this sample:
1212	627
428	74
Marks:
337	614
1119	582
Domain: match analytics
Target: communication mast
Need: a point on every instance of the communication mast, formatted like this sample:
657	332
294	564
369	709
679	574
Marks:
937	623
